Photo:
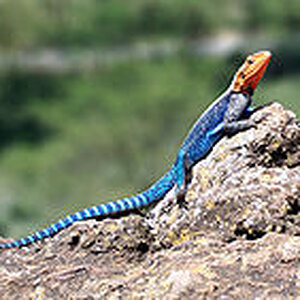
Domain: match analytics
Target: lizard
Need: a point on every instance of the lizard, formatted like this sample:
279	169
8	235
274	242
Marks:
227	115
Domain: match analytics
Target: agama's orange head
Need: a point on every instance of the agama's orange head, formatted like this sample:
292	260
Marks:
250	73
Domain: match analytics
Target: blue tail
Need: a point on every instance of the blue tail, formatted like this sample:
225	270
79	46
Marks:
157	191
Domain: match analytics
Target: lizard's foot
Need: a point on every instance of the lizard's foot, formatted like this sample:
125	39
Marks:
181	199
180	191
260	107
258	119
180	195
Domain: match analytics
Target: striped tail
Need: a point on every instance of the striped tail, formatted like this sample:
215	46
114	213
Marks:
157	191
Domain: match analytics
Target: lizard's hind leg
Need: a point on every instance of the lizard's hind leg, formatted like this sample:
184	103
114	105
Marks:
183	175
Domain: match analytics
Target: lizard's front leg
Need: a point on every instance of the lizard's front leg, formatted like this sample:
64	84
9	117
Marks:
237	115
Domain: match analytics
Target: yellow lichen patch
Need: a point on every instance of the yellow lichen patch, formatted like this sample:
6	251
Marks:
267	178
105	243
171	235
112	227
233	227
204	175
269	228
284	208
185	235
37	294
247	212
173	217
218	218
275	144
204	270
191	196
221	153
202	241
209	204
278	229
166	285
217	180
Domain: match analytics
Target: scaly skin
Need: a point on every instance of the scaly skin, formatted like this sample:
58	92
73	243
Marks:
227	115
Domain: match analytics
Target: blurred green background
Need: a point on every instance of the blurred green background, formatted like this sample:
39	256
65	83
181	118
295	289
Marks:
97	95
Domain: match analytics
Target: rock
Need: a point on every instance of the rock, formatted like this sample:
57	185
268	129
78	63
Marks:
236	235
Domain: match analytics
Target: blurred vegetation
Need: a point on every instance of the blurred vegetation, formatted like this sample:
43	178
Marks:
73	140
77	23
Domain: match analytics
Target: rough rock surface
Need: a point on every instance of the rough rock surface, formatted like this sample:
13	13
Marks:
235	236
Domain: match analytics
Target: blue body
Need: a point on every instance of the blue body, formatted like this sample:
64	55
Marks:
207	130
202	137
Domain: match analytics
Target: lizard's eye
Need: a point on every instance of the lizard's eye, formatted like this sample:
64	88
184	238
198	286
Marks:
242	75
250	61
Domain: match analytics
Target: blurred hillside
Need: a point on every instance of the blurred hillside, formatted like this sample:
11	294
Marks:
76	23
96	96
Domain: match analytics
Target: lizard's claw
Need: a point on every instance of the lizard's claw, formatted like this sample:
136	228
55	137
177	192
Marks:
253	122
258	119
260	107
180	191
